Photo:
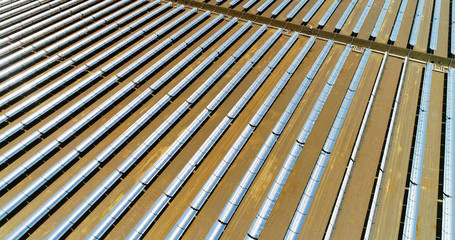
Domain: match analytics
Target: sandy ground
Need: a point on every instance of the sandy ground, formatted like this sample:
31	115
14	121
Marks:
425	25
327	192
367	27
389	20
444	28
356	200
253	200
389	210
426	221
406	26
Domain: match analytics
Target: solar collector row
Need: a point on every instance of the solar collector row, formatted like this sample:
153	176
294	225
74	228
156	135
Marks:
412	203
63	137
380	20
448	198
16	10
249	4
264	6
435	25
280	7
235	199
312	11
148	177
416	23
329	13
32	33
13	4
5	2
87	66
313	183
14	24
227	160
77	151
398	21
345	15
38	54
353	156
126	164
296	9
280	180
362	18
356	21
382	168
452	29
170	152
72	184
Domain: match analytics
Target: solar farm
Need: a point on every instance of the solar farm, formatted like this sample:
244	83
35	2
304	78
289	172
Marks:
384	22
236	119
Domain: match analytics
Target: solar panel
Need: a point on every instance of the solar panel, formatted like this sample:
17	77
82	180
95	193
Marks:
329	12
264	6
36	34
410	222
90	96
452	29
219	33
272	196
203	30
107	185
435	25
182	224
301	90
14	7
296	9
312	11
411	211
241	140
416	23
362	18
398	21
249	4
234	37
188	27
130	161
280	7
380	20
234	2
